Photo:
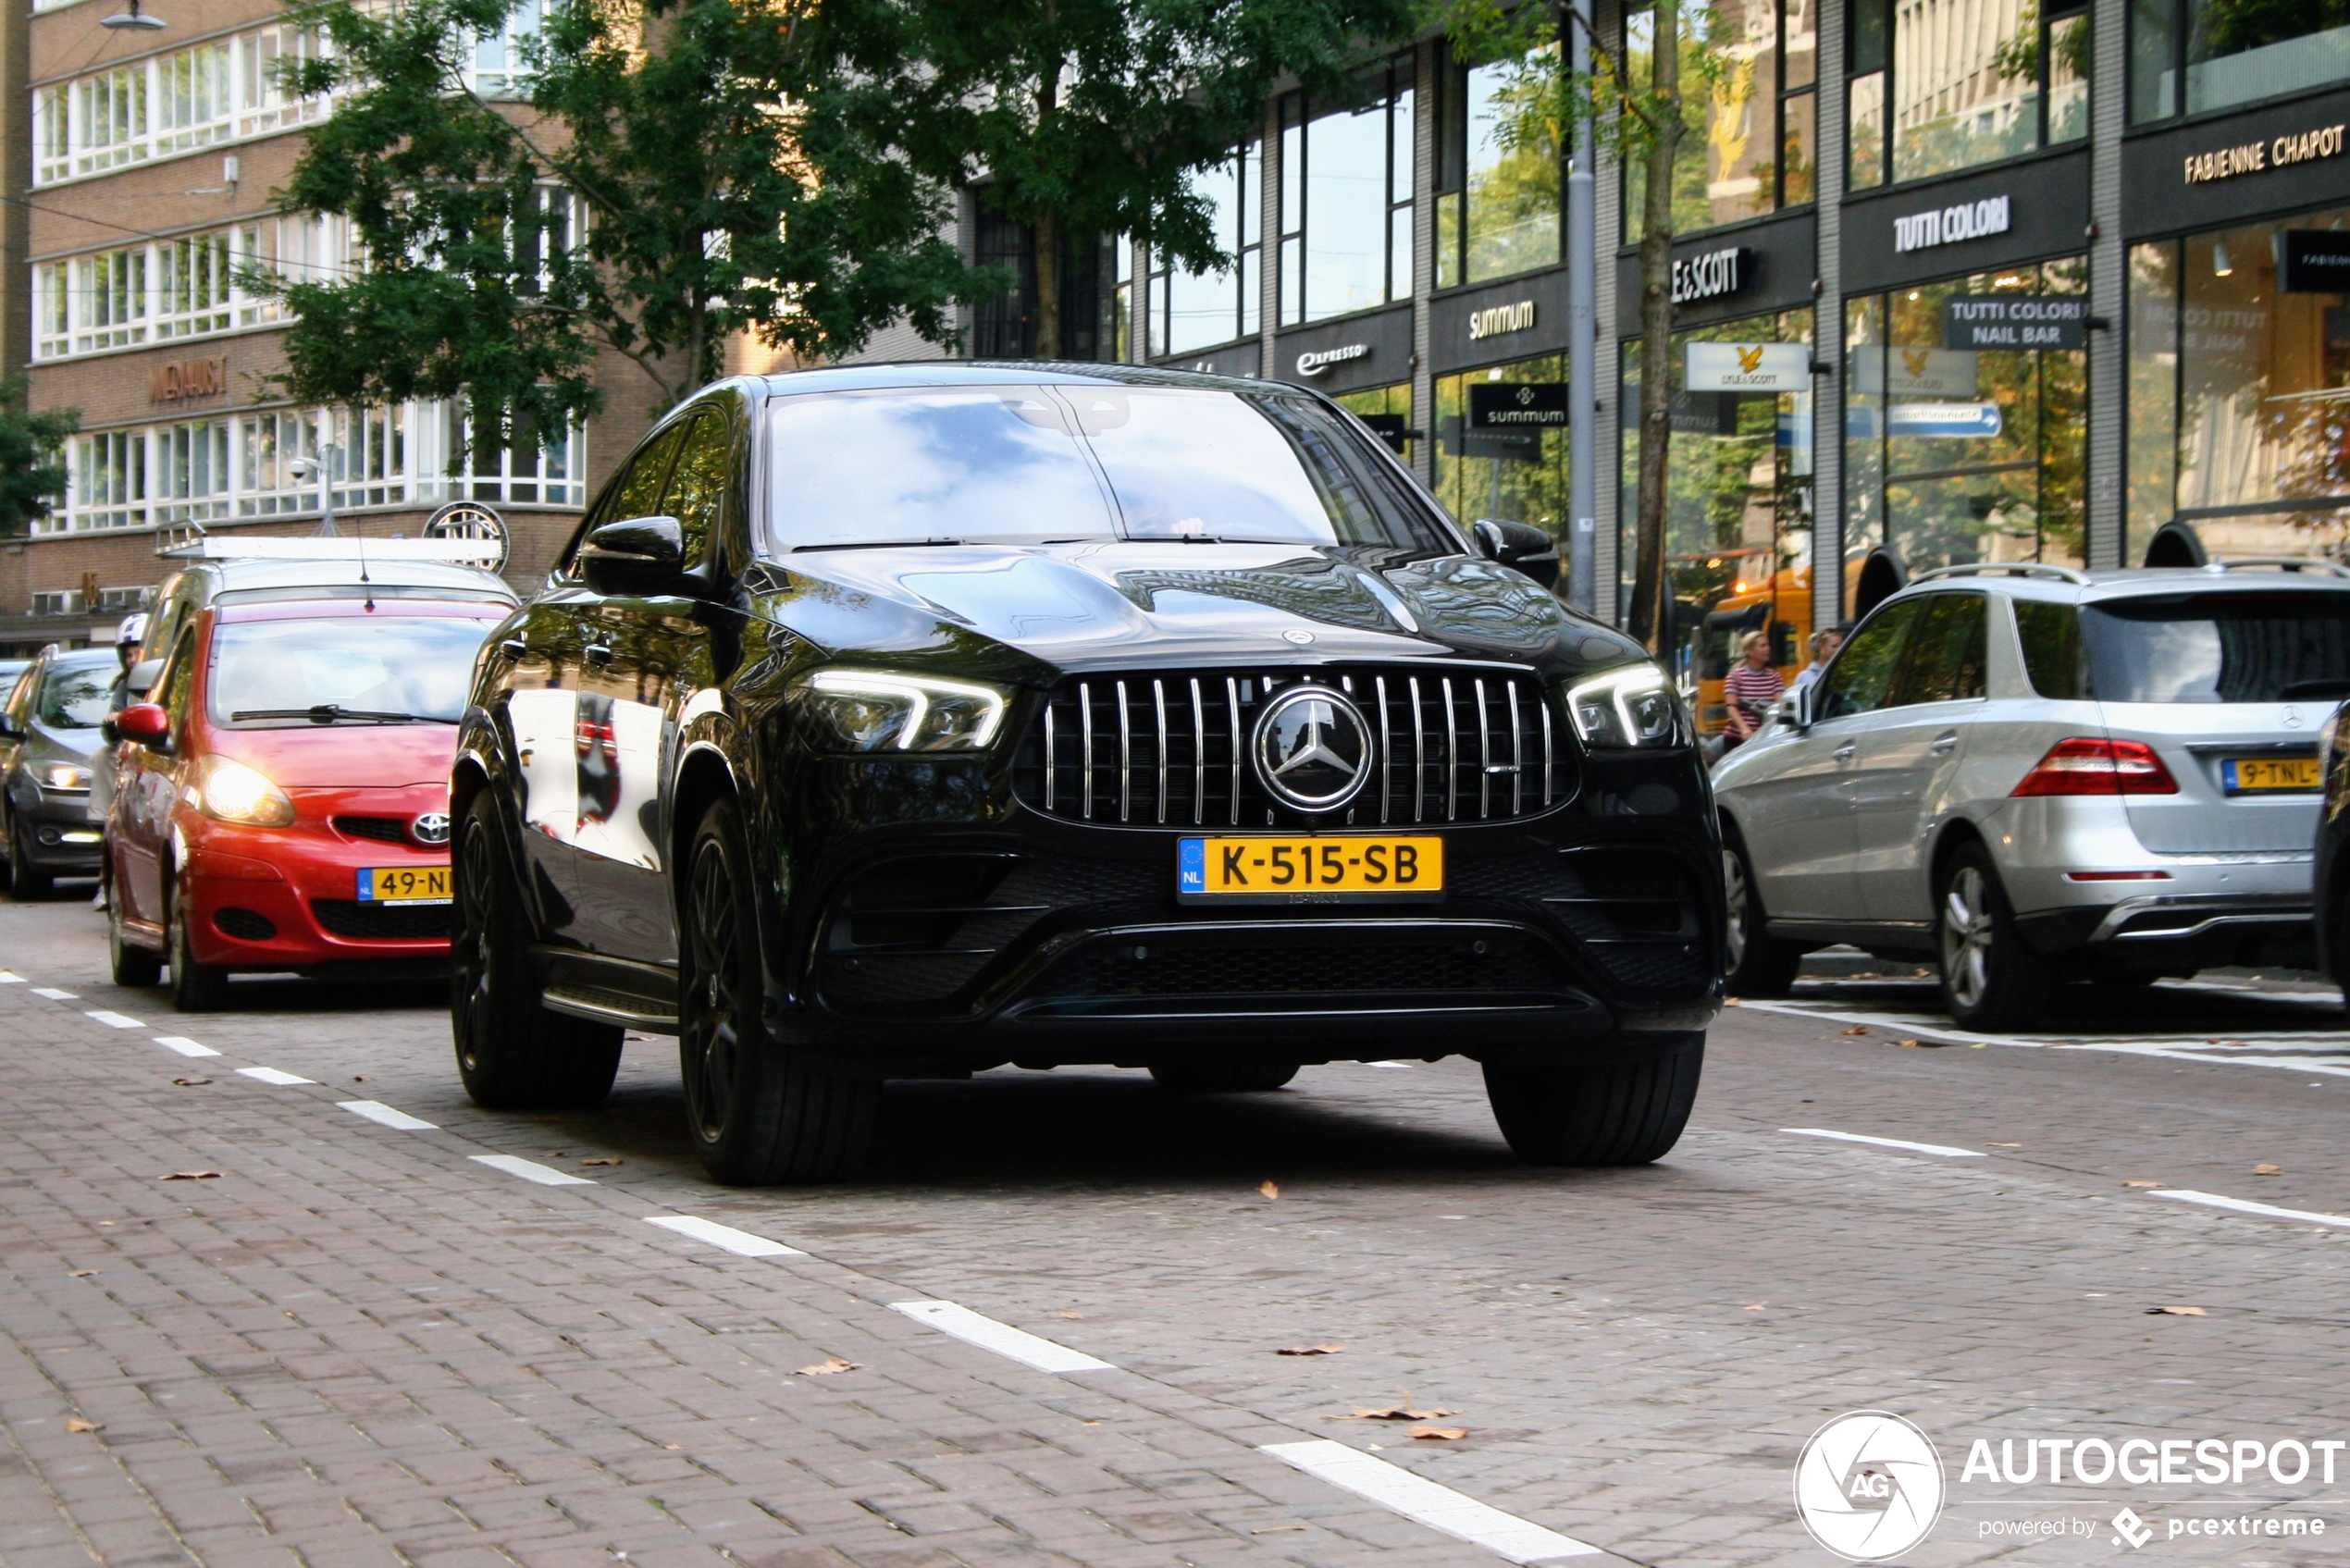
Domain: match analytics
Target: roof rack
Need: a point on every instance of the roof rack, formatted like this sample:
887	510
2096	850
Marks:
2011	568
454	552
2283	563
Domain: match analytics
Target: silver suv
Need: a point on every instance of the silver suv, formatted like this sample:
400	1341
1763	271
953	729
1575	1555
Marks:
2037	774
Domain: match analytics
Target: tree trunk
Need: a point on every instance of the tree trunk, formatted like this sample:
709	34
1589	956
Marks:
1045	235
1654	622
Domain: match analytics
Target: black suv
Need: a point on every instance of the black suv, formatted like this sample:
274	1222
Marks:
902	721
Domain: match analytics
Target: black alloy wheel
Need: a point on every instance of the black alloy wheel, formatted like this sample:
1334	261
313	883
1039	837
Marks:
195	988
1616	1114
1758	964
511	1053
757	1116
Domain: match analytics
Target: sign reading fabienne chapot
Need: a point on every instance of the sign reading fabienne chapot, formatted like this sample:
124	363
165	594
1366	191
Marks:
2258	157
2015	321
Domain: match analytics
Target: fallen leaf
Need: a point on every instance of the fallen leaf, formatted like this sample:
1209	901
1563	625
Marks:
1274	1529
192	1175
602	1159
1309	1350
1272	1190
1757	1306
81	1274
1854	1029
2266	1170
1729	1001
1439	1434
2177	1311
1072	1314
1909	1043
1089	1422
2007	1146
672	1448
2142	1184
361	1077
78	1424
1389	1413
190	1082
824	1369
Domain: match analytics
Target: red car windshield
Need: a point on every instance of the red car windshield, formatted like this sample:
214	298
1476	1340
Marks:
368	669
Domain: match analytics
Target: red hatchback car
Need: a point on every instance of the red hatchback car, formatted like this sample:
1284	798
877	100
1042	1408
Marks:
283	804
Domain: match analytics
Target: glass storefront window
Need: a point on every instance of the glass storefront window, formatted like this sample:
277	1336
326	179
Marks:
1507	477
1346	202
2230	51
2239	397
1957	455
1939	85
1748	69
1497	175
1198	310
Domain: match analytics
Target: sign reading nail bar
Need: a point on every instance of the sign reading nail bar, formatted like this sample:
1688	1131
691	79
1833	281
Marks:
1948	225
1747	368
2015	321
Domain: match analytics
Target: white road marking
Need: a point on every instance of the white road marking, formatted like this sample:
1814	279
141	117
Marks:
2300	1051
384	1116
184	1045
114	1020
8	978
531	1170
1001	1338
1437	1507
272	1075
1942	1149
54	995
726	1235
2241	1206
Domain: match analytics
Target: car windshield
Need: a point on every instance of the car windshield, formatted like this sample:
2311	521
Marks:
1007	464
76	697
2217	647
382	667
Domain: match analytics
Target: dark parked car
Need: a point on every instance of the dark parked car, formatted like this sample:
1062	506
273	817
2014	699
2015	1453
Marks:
2331	896
904	722
49	735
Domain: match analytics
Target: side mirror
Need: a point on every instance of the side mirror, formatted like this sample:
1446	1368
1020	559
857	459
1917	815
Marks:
1521	547
635	555
1795	709
144	723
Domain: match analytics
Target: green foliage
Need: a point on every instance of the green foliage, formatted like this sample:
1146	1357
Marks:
32	468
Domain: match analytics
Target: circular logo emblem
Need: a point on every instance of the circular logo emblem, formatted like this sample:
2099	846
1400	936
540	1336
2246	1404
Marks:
1296	634
1313	749
1869	1486
431	828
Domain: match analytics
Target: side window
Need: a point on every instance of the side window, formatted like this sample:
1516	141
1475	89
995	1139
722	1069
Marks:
177	678
1945	660
19	698
698	485
1863	673
2051	639
638	495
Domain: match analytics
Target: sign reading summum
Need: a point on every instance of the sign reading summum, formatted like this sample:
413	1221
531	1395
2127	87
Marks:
1948	225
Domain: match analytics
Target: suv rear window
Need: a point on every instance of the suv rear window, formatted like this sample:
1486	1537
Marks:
2211	648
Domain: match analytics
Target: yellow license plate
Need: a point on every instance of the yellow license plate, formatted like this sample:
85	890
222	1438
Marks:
1310	868
2246	775
404	885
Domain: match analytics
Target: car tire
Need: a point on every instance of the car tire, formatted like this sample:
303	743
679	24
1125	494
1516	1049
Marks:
195	987
25	884
1222	1078
1992	978
757	1116
1758	964
511	1053
132	965
1619	1114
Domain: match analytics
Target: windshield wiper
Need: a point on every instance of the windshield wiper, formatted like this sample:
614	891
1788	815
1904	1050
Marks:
335	712
874	544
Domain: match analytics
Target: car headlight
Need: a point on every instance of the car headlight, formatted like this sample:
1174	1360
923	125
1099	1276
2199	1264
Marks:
871	710
1633	706
231	792
64	775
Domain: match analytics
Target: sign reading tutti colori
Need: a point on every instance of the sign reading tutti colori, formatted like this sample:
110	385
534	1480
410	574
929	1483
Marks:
2312	261
1747	368
2015	321
1515	405
1947	225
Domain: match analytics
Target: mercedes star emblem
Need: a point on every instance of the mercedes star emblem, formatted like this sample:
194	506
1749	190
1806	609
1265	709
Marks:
1313	749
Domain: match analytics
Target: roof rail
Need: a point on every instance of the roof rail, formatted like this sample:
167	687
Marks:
454	552
2283	563
2011	568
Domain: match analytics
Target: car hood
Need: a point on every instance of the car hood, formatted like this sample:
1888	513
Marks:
1031	611
344	756
50	743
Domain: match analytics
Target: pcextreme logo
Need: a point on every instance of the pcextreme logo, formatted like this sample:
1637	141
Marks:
1869	1486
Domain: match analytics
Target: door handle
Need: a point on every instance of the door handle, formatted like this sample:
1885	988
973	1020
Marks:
1943	743
1844	753
598	652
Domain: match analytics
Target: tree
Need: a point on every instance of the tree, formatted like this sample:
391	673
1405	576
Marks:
1088	117
32	467
1640	122
679	172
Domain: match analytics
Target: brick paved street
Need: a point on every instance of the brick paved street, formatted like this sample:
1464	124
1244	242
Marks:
358	1344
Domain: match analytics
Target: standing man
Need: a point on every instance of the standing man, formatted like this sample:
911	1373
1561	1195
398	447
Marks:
1750	690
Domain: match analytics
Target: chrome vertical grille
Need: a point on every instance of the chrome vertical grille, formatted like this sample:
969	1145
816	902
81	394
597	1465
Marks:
1171	748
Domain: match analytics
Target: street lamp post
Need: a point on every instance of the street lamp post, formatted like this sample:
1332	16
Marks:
324	466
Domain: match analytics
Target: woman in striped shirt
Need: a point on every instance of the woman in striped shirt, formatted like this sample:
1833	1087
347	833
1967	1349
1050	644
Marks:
1751	690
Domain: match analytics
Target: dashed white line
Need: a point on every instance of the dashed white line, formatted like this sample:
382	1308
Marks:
1437	1507
114	1020
531	1170
184	1045
8	978
272	1075
385	1116
54	995
1942	1149
726	1235
2241	1206
1002	1338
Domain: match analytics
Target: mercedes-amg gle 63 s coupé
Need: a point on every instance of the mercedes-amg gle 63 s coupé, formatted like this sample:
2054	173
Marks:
904	722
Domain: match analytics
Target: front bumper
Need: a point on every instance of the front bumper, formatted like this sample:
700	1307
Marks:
63	840
286	898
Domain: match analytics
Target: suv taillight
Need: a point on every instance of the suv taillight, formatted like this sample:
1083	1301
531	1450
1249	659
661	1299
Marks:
2086	766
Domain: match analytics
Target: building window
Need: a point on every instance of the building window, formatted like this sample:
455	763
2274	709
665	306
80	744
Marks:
1514	476
194	470
1004	326
1122	303
179	288
171	104
193	102
1939	85
56	601
262	59
520	467
1750	146
107	481
1497	175
1198	310
1346	200
124	601
501	65
2229	51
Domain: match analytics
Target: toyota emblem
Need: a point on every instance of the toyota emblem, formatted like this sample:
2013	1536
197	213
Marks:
431	828
1313	749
